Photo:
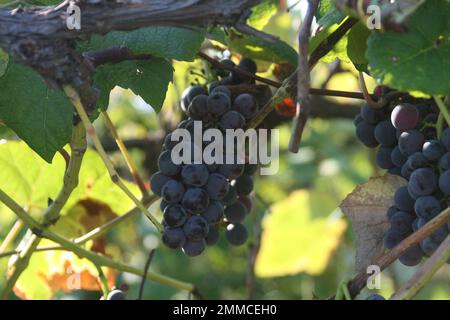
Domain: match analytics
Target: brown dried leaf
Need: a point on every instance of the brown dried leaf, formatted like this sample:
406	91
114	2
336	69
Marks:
366	208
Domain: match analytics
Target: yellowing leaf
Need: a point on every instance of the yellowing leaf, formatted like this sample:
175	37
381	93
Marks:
366	207
294	240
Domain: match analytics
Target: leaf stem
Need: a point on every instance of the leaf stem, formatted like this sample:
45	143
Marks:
76	101
12	234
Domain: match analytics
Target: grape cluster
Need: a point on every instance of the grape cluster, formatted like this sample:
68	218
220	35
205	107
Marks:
198	198
410	147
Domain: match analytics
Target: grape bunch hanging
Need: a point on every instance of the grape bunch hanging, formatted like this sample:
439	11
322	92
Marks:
411	147
199	199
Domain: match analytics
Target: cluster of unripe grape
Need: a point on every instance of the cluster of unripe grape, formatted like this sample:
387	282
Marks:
414	145
199	199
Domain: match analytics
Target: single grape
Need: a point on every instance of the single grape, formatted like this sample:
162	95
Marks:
406	171
366	134
231	171
172	191
195	174
410	141
166	165
236	234
231	196
197	109
369	114
416	161
433	150
248	65
402	222
403	200
411	257
168	143
391	211
244	185
440	234
383	158
195	200
194	248
392	238
235	212
232	120
422	182
427	207
246	105
217	186
445	139
405	116
222	89
358	119
444	162
196	228
175	215
116	295
397	157
157	181
428	246
375	297
247	202
444	182
218	103
163	205
173	237
214	213
385	134
189	94
213	236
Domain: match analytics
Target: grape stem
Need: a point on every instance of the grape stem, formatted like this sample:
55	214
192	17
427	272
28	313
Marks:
129	161
425	272
144	276
370	102
103	281
80	251
12	234
360	280
115	178
443	109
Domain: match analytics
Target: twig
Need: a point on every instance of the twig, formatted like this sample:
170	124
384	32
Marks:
360	280
80	251
130	163
114	54
103	281
144	276
115	178
12	234
303	78
65	156
425	272
443	109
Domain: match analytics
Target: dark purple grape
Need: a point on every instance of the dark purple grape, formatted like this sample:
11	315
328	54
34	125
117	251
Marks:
157	181
166	165
411	257
168	143
405	116
370	115
232	120
217	186
422	182
358	119
392	238
163	205
375	297
246	105
427	207
366	134
222	89
231	196
247	202
236	234
383	158
391	211
196	228
444	182
195	174
403	200
175	215
433	150
410	141
244	185
428	246
445	138
194	248
402	222
395	170
172	191
213	236
385	134
195	200
398	158
197	109
218	104
231	171
247	65
214	213
416	161
189	94
116	295
444	162
173	237
440	234
235	212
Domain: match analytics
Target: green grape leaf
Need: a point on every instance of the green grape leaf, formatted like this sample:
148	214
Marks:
39	115
147	78
262	13
418	59
339	50
31	181
4	59
167	42
286	246
257	48
327	14
357	46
